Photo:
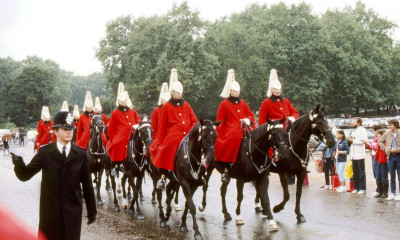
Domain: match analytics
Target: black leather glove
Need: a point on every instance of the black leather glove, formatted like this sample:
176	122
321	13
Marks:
17	160
91	219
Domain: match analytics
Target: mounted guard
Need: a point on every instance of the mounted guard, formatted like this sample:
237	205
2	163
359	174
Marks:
163	99
83	131
45	132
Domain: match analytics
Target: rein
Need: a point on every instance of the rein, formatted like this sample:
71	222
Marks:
99	143
143	156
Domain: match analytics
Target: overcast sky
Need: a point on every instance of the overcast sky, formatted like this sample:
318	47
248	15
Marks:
68	31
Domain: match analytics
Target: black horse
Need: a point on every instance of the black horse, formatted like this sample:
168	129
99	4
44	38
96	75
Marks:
253	163
189	169
135	164
96	153
297	156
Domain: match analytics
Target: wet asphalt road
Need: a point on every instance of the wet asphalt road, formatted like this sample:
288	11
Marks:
330	215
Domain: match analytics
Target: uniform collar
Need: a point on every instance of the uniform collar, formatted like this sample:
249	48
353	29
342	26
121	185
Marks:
47	122
67	148
123	109
88	113
176	102
234	100
274	98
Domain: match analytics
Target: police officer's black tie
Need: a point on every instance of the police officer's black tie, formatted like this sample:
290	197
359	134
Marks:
63	155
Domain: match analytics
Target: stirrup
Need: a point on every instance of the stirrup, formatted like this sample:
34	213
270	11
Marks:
225	178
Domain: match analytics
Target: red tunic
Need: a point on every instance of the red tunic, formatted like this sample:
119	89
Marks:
276	110
43	136
154	120
119	129
229	131
35	146
174	124
83	130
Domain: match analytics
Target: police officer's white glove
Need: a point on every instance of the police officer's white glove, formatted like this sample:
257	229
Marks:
247	121
291	119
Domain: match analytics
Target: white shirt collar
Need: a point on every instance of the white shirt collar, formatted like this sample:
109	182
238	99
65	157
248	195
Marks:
67	148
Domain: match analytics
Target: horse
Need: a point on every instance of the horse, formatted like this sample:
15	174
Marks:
134	165
189	170
297	155
252	164
96	153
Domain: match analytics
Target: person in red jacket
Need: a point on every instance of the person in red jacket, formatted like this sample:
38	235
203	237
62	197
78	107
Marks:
83	130
164	97
275	107
120	126
98	111
176	120
234	114
45	132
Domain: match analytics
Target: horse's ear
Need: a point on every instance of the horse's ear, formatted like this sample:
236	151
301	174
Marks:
270	122
282	120
201	122
323	108
316	109
217	123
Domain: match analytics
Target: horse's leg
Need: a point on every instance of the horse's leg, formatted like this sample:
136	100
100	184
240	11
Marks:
160	207
100	173
124	198
283	177
176	200
188	191
257	202
262	186
113	185
154	176
183	227
139	181
170	189
239	187
227	216
202	206
300	179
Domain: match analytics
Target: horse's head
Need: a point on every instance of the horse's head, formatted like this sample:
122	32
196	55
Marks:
207	137
145	133
97	124
320	126
276	137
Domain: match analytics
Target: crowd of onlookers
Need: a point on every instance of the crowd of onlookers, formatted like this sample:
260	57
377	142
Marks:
347	159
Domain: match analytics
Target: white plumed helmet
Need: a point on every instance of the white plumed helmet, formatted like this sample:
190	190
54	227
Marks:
97	105
64	107
230	84
88	101
164	93
273	82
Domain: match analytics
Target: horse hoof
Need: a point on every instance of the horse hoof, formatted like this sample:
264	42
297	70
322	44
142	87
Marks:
228	217
301	219
198	237
183	229
258	209
140	217
131	211
178	208
239	221
163	224
124	207
116	209
273	226
154	201
277	209
201	208
100	203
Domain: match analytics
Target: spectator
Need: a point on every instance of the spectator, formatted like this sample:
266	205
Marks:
341	151
389	142
328	162
372	146
357	155
381	168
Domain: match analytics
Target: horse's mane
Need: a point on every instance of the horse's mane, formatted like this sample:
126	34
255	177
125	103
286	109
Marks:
259	132
194	130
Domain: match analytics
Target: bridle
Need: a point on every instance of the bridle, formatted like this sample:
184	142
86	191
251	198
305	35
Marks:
96	120
264	166
142	155
321	136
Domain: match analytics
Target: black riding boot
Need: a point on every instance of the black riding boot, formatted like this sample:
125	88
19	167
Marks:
161	183
385	191
380	190
225	176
